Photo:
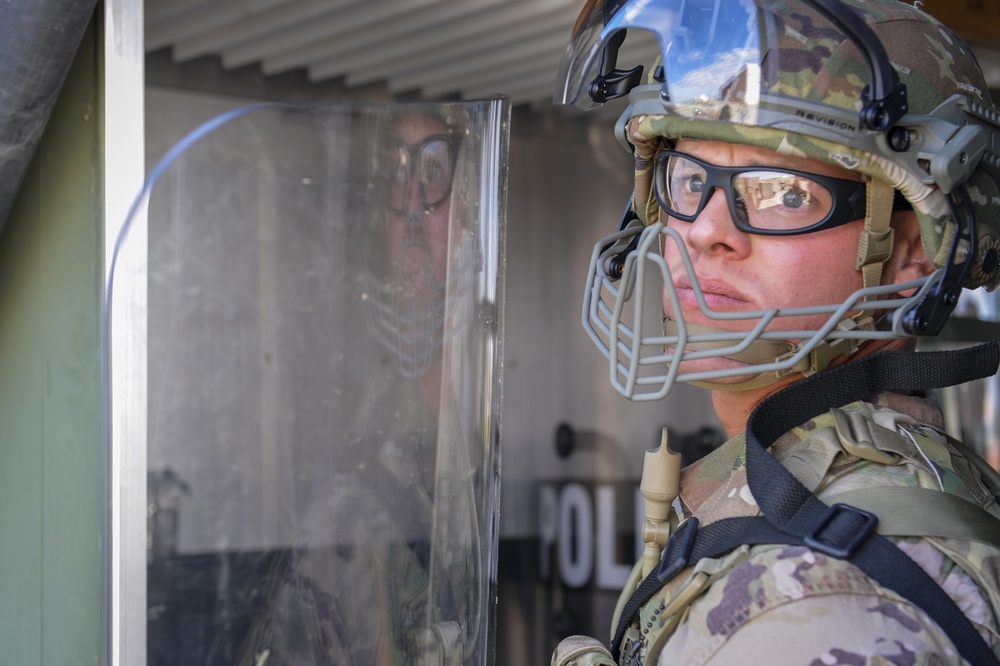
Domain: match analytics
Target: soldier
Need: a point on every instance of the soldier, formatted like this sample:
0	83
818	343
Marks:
815	182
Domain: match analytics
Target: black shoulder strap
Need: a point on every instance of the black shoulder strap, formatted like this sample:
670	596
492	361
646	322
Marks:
794	516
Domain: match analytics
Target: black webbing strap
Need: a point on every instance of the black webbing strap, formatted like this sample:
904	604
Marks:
794	516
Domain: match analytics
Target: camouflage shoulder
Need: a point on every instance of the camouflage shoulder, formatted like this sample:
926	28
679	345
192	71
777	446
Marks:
836	614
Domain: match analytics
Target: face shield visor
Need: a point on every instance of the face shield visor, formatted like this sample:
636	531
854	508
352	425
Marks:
749	62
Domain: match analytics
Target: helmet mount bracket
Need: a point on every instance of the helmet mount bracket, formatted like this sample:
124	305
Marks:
929	315
885	97
610	82
616	265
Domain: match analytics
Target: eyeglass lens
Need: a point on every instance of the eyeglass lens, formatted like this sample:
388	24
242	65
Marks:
430	163
764	199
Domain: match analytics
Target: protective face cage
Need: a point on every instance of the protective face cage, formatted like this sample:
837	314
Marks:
646	353
728	63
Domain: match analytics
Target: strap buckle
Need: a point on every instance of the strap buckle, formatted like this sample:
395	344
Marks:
874	247
682	541
844	539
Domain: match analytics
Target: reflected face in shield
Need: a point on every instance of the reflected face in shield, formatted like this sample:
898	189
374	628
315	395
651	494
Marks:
416	169
420	164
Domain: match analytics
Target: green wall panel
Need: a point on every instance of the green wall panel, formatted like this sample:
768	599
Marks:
21	435
51	458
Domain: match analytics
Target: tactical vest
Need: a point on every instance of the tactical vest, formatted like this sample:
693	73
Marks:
952	495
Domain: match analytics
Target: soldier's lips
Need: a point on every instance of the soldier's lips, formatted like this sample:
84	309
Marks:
718	295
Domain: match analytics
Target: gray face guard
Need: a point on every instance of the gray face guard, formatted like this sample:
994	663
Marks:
646	354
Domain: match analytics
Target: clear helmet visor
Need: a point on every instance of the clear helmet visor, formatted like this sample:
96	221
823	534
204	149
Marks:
723	59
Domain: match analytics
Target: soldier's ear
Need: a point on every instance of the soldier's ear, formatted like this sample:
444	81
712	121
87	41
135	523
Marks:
908	261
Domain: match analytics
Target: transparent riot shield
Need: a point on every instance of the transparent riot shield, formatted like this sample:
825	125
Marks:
323	316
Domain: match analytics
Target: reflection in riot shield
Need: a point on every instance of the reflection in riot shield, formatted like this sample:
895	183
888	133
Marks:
407	263
324	311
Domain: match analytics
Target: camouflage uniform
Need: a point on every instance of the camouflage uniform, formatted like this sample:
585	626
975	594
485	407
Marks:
357	589
783	604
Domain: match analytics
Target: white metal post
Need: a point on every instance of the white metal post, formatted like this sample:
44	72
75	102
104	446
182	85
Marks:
121	29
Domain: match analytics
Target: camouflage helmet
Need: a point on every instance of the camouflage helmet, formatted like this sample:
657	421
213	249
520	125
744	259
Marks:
874	86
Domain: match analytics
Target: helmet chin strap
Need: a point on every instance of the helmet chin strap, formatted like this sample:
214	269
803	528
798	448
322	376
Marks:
761	352
874	249
876	241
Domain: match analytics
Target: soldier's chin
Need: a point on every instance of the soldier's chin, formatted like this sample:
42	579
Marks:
715	364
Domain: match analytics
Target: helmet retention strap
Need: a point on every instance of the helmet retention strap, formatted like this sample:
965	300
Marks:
875	243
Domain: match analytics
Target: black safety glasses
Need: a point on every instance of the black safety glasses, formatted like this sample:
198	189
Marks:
770	201
431	162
